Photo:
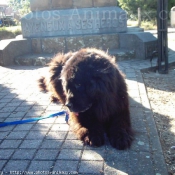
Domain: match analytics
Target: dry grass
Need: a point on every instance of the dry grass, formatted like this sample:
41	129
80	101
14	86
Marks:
9	32
132	23
147	25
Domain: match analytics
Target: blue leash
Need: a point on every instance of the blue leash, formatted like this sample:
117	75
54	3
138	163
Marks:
35	119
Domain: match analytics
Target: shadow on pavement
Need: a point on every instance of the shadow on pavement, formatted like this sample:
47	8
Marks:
48	145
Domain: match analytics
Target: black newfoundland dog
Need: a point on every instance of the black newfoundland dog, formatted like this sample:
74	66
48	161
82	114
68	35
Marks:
89	83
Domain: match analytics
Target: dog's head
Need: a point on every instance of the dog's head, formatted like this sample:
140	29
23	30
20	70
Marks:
83	79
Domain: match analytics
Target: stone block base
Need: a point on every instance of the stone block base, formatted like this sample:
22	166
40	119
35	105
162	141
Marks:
65	44
139	44
124	46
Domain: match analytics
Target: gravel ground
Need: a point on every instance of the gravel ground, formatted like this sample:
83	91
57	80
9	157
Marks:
161	93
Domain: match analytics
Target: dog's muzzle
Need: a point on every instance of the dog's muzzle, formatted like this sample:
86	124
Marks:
71	108
69	105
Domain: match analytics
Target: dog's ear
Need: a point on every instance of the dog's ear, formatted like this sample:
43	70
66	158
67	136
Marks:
97	88
92	88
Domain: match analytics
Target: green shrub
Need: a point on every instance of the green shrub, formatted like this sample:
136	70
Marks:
148	8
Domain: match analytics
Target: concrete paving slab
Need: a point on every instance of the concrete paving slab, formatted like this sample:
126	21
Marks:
49	146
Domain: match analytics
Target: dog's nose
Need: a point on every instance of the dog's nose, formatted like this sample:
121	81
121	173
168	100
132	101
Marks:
69	105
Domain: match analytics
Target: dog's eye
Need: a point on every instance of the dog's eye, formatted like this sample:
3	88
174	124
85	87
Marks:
77	86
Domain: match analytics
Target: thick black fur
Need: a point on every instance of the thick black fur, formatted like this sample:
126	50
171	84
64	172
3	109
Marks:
90	84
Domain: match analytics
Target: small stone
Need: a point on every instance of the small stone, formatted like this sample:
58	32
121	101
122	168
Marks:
141	143
173	147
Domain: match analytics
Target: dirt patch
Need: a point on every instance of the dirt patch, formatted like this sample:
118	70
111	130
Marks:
161	94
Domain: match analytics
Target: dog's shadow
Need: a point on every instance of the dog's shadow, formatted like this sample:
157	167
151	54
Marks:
136	160
105	159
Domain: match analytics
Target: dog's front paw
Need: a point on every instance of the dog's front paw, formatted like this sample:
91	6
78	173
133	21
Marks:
95	140
90	137
82	133
121	140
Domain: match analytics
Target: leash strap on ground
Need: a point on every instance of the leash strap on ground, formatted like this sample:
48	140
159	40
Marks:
35	119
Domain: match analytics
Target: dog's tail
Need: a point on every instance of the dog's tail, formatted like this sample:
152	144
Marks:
42	84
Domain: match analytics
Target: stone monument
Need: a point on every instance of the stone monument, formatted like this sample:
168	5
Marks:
67	25
62	26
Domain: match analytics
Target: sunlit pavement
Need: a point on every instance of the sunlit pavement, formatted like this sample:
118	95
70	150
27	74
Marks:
49	147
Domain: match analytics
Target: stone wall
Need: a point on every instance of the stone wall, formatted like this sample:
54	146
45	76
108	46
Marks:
66	44
36	5
142	43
